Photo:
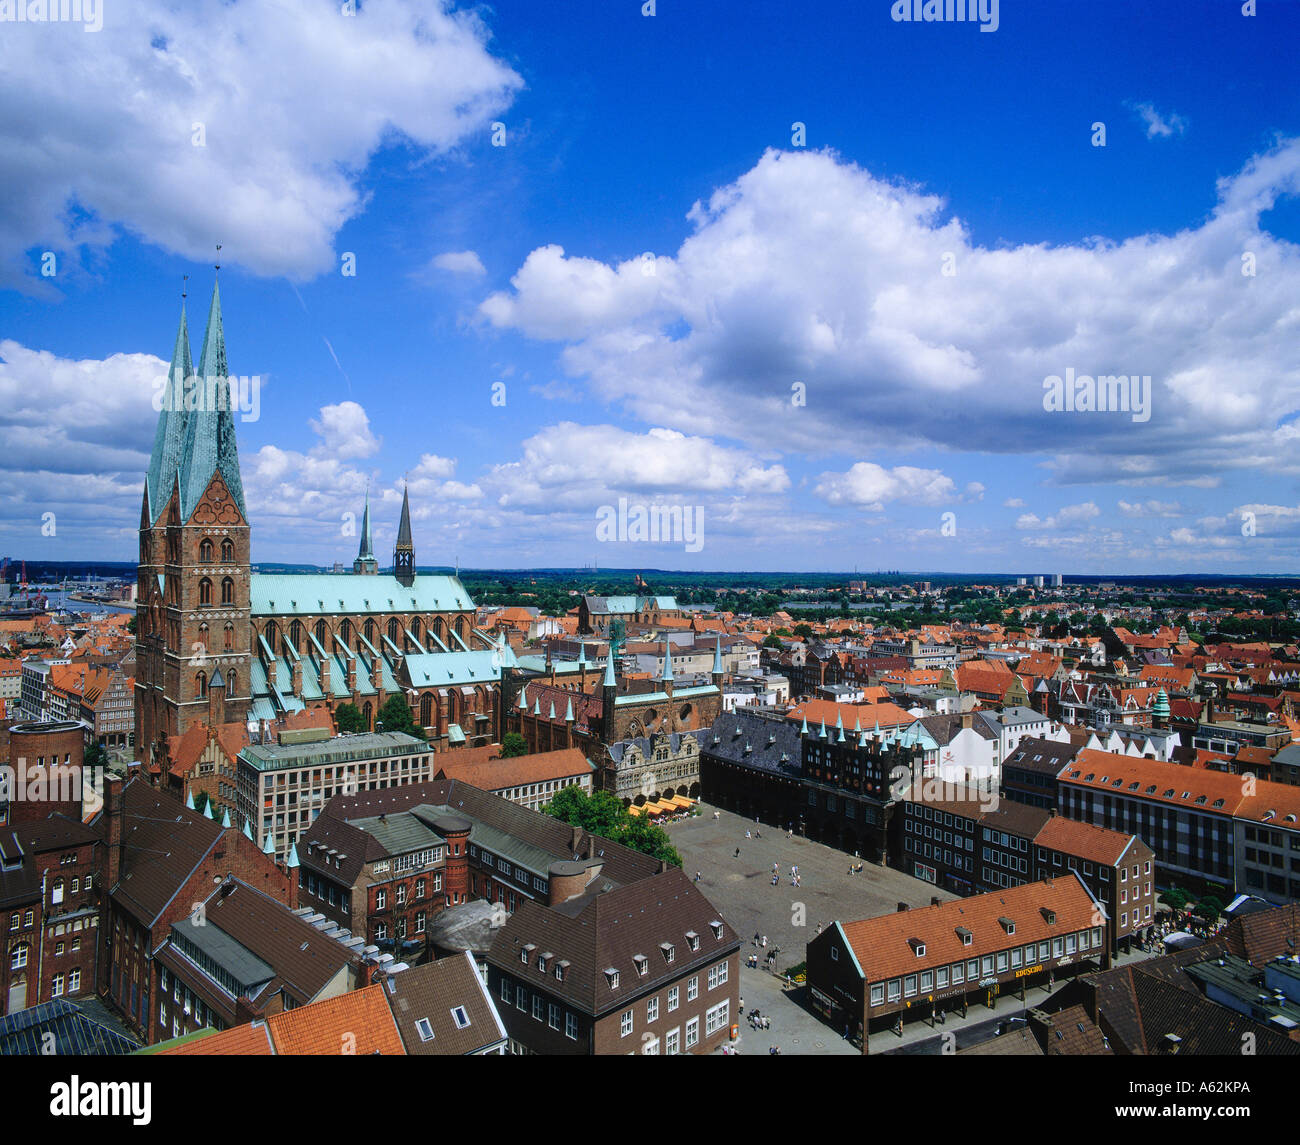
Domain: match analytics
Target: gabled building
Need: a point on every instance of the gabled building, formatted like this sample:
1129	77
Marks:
647	968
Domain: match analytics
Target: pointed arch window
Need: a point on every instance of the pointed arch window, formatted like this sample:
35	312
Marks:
370	631
205	551
232	683
426	710
322	634
345	632
227	551
229	642
227	591
201	685
295	634
395	631
205	591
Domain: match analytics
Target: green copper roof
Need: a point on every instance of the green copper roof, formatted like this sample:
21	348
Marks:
309	594
667	676
169	437
210	432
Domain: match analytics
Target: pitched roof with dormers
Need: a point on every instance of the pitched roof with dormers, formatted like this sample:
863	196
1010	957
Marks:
883	945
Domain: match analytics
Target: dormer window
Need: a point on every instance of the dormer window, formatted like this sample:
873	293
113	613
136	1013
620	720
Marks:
716	927
965	936
692	940
560	968
642	964
526	954
543	960
918	947
611	976
670	951
1049	916
1008	925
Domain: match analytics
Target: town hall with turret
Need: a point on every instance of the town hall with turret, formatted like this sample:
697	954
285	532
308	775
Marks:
217	643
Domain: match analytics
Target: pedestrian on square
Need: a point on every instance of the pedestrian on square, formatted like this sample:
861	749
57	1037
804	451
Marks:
737	854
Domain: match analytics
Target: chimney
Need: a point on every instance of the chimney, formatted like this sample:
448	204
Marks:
934	900
902	906
967	721
261	731
114	845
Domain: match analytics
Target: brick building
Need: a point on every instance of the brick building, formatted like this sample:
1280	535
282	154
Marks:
645	968
874	975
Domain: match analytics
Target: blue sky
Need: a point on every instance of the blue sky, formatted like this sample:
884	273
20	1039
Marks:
927	146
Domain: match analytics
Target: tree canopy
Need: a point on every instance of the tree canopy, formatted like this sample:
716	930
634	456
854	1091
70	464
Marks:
512	745
348	718
602	814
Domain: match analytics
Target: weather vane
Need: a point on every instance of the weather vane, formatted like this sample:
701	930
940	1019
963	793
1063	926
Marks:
185	280
218	265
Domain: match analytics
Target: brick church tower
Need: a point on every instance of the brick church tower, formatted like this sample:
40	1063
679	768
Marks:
192	609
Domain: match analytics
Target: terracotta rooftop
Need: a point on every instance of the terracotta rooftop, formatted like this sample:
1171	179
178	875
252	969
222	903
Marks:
357	1023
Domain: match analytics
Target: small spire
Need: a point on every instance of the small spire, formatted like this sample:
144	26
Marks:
523	698
207	810
189	800
803	731
568	713
667	677
610	681
537	707
552	715
717	657
268	847
248	832
293	856
822	733
225	818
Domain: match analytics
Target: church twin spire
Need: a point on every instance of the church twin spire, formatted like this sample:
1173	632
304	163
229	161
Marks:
195	437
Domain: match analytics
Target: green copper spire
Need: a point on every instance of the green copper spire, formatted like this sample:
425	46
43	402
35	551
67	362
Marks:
169	437
225	818
189	801
210	428
822	734
404	550
568	713
667	676
523	698
717	657
293	856
803	731
248	832
610	681
269	847
552	715
365	562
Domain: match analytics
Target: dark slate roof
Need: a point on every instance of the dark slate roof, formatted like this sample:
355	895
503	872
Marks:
272	944
75	1031
432	992
600	931
767	740
22	883
165	842
944	728
1046	756
490	814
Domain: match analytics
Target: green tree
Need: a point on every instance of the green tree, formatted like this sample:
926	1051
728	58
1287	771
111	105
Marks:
512	745
1209	908
772	642
803	630
395	715
348	718
602	814
130	626
1174	898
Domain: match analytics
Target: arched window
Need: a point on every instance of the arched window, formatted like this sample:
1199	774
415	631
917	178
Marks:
227	551
271	633
426	710
205	551
366	712
370	631
229	644
416	628
439	630
232	686
295	634
203	639
322	634
460	626
395	631
345	632
205	591
227	591
201	685
146	548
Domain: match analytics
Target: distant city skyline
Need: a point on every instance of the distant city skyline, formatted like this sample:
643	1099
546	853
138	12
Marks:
845	287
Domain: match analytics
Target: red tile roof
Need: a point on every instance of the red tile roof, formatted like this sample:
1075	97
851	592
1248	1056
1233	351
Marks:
357	1023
